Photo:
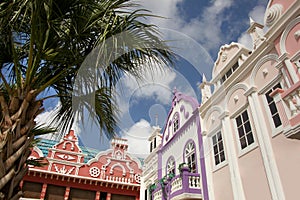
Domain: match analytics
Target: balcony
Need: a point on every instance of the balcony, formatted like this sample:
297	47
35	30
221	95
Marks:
184	186
290	105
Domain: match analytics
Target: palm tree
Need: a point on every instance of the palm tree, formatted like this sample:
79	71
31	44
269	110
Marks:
43	44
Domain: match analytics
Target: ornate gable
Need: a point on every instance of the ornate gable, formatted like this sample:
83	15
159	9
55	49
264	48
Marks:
183	108
114	165
66	156
230	57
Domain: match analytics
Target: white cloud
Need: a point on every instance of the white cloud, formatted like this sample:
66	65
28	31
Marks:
206	28
45	118
137	136
257	14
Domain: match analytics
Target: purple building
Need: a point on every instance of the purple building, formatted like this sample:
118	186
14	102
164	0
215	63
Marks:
180	167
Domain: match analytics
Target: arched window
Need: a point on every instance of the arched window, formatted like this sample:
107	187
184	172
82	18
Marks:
190	156
175	122
171	166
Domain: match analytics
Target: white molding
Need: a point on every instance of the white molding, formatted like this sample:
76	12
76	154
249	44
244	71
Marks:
239	111
266	149
249	147
285	33
258	65
235	87
279	129
235	175
223	163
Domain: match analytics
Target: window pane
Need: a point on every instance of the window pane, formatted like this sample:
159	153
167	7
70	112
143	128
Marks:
221	146
215	149
250	138
245	116
241	131
269	99
276	120
222	156
273	108
238	121
247	127
243	142
217	161
214	139
228	73
219	136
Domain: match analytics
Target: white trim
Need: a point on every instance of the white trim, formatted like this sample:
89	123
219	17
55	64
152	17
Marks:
296	60
238	111
259	64
266	150
222	163
235	87
283	38
235	175
38	150
251	146
267	87
285	33
275	130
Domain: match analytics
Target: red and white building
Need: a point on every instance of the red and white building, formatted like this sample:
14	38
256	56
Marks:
110	175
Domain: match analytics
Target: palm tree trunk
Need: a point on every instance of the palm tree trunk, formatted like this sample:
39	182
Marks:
18	116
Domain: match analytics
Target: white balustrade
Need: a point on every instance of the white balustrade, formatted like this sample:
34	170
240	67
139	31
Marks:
118	179
293	102
176	184
157	195
194	182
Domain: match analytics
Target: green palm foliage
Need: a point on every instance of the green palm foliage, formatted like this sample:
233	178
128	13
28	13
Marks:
43	43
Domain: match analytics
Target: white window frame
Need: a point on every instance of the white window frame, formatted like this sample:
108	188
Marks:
221	163
171	165
189	154
210	148
275	130
238	143
175	122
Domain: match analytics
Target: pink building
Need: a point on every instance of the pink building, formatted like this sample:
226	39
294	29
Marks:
110	175
251	121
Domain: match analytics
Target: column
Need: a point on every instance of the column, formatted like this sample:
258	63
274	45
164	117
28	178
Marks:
290	68
97	195
67	192
108	197
265	146
235	176
43	192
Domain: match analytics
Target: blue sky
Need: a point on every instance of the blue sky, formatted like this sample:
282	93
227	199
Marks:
198	29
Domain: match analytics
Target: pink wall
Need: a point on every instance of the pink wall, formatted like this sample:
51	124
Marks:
288	162
222	184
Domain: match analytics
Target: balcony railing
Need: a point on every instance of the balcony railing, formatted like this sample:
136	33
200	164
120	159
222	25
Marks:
288	102
185	185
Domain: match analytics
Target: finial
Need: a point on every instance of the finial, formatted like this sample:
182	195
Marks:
156	119
174	90
251	21
203	78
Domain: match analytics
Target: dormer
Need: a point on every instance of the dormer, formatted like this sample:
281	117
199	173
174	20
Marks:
155	138
230	57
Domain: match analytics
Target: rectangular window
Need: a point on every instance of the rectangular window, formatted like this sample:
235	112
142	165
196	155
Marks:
272	107
218	148
244	130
